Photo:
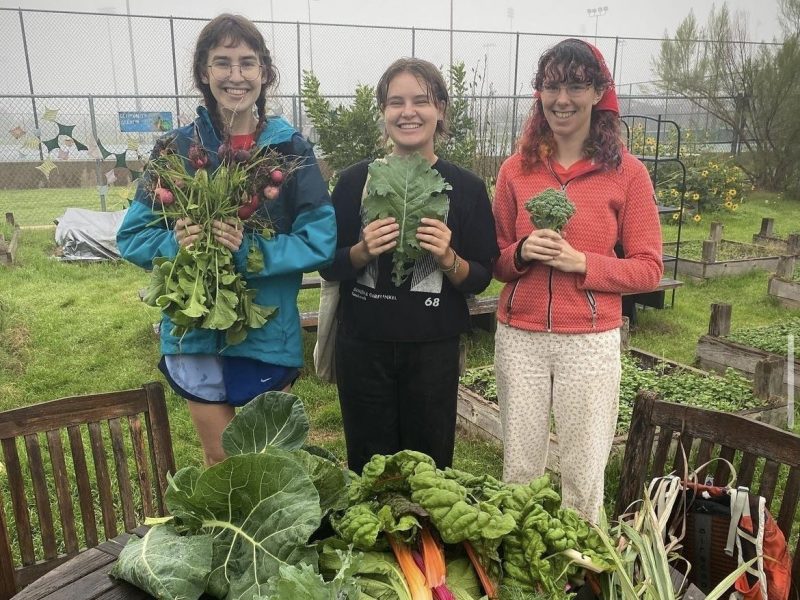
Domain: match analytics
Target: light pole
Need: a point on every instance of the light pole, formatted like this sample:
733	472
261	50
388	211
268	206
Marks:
272	43
450	69
310	43
596	13
133	55
621	44
510	15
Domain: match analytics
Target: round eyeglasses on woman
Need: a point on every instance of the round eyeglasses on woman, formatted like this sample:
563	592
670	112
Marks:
221	70
574	90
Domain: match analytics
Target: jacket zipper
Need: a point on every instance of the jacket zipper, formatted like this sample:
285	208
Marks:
510	301
592	306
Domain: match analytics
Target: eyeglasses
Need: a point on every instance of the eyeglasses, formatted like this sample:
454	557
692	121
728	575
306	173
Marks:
573	89
221	71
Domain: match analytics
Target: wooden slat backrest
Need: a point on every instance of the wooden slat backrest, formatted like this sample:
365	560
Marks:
127	436
732	435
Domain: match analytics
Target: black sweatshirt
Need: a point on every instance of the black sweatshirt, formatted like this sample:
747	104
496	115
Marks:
426	306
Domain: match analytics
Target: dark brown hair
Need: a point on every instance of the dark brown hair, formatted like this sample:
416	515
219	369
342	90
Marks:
571	61
229	30
428	76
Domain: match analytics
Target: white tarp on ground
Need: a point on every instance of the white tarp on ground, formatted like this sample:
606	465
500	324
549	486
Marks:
88	234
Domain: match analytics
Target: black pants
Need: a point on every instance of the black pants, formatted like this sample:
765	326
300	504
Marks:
397	396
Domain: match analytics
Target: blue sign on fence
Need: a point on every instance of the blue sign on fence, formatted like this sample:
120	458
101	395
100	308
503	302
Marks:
145	121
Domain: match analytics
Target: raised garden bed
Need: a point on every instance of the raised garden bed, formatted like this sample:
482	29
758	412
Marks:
479	413
758	353
716	257
766	237
9	240
785	284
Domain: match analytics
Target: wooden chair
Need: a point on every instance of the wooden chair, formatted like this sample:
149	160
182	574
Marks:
749	445
131	427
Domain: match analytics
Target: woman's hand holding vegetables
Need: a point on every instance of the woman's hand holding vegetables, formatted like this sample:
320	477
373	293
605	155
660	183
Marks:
434	236
228	233
379	236
569	260
186	232
549	248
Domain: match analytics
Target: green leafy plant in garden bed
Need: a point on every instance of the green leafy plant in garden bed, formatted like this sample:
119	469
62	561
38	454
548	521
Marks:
729	393
772	338
693	250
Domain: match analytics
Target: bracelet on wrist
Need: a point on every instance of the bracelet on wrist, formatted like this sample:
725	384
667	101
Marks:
454	267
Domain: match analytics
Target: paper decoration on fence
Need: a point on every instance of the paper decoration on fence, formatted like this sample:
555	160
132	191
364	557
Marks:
17	132
46	167
111	177
50	114
69	142
133	145
51	144
63	154
31	143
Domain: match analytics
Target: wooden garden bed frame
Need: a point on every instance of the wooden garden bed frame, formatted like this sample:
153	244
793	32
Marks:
481	417
788	246
8	248
716	352
782	285
708	266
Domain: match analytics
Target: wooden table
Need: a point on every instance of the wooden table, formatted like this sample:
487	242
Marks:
85	577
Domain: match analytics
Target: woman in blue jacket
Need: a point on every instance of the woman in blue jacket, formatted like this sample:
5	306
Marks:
233	70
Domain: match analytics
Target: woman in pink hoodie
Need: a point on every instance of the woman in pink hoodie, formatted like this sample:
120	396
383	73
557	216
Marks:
557	343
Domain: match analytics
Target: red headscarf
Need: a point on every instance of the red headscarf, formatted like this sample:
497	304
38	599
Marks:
608	100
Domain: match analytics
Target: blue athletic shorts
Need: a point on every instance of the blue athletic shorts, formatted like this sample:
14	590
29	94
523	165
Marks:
230	380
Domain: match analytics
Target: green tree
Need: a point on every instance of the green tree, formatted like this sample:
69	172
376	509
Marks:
346	134
461	144
715	63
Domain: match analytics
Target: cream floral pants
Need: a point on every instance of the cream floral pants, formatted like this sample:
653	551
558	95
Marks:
577	377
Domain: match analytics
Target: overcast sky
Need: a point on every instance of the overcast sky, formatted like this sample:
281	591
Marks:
629	18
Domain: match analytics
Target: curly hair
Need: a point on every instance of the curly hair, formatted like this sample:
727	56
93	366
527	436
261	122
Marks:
230	30
571	61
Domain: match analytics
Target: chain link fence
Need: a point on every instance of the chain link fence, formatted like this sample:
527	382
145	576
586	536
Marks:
143	64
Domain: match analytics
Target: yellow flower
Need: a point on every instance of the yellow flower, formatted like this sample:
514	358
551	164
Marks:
660	193
714	166
695	196
735	206
676	216
673	192
729	204
704	173
697	218
714	191
732	193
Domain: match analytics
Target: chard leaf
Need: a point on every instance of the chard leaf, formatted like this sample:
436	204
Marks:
379	575
165	564
261	510
408	189
272	419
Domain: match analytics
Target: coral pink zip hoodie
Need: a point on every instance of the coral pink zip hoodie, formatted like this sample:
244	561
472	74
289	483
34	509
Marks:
611	206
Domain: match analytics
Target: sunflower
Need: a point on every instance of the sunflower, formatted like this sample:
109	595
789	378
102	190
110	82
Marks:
676	216
732	193
695	196
729	204
697	218
704	173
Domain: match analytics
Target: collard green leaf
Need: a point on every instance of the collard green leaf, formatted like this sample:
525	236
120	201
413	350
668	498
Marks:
303	581
271	419
165	564
328	478
261	510
408	189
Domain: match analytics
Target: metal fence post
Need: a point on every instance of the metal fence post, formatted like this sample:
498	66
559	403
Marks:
413	42
614	68
30	77
174	70
514	98
102	187
299	121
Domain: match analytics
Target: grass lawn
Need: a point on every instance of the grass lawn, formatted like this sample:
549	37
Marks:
70	329
42	206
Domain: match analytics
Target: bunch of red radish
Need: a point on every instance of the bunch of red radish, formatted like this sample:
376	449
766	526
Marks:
251	201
